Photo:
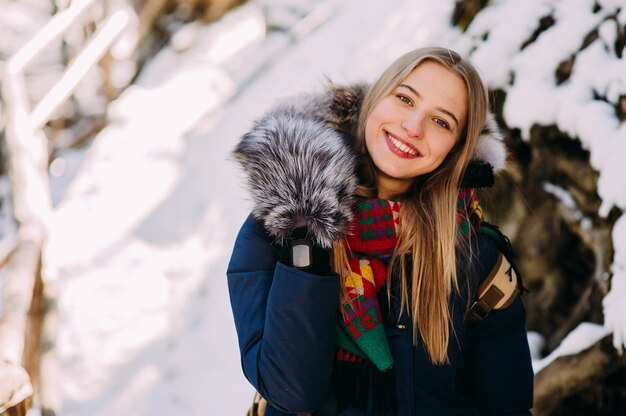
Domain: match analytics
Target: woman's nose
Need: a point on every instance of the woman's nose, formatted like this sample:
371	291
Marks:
413	125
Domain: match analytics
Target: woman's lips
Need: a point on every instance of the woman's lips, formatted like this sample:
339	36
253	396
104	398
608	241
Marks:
401	147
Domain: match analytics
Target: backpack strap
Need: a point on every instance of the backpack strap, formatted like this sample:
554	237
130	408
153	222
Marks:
502	285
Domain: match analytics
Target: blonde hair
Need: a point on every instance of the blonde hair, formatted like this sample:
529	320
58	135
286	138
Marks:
428	232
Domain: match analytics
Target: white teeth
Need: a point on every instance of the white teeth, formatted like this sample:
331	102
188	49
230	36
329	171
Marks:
402	146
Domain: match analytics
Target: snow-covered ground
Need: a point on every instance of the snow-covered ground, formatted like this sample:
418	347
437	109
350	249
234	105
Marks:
144	221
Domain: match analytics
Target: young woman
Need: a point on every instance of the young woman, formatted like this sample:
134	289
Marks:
355	282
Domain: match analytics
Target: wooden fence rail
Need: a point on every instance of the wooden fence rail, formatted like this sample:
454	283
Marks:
28	170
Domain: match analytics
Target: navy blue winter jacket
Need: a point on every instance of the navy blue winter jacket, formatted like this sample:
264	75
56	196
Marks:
285	320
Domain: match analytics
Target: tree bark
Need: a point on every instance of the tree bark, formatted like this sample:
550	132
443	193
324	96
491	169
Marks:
571	374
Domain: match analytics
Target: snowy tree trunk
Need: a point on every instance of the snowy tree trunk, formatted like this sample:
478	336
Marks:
572	374
557	74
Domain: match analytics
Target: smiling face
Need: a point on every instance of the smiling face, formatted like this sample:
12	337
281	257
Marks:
411	131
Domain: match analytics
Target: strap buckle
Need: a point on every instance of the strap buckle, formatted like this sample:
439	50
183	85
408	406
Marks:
478	311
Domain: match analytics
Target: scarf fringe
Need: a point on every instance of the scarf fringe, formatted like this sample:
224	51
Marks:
358	383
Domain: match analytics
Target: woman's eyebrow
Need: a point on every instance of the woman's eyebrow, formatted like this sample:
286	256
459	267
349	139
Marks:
443	110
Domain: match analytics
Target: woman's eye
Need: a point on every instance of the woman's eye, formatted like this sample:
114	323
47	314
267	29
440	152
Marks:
405	99
442	123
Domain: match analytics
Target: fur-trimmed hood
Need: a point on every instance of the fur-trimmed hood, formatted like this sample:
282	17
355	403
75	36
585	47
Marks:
300	163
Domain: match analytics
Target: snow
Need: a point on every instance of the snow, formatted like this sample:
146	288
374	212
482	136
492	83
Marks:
145	219
608	33
614	304
505	37
582	337
536	343
541	58
140	238
564	196
7	225
18	21
621	16
532	101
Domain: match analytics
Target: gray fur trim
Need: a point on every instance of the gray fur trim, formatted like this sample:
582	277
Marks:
301	174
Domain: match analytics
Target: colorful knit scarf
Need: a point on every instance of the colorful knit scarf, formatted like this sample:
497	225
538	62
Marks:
372	238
